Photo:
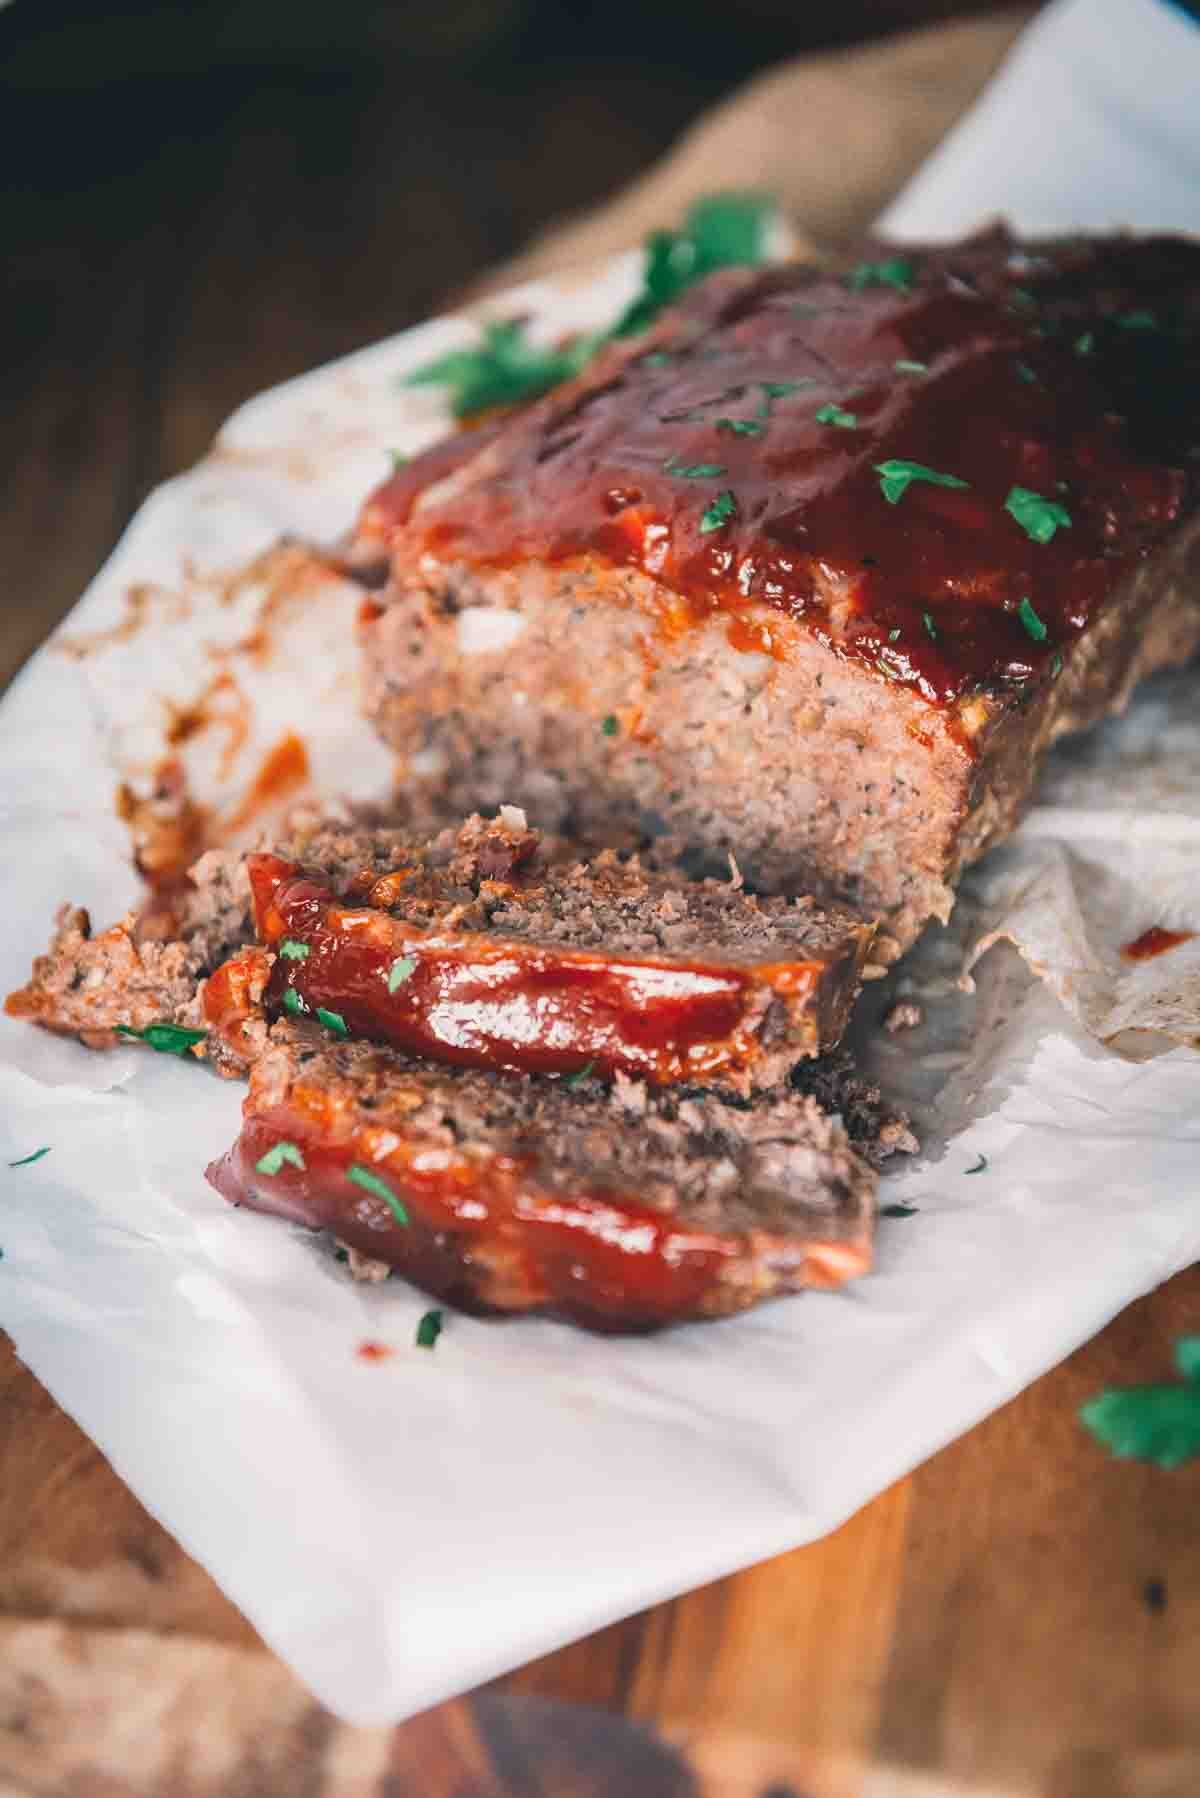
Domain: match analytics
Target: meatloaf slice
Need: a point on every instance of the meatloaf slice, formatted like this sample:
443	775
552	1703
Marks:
487	946
817	573
618	1207
493	947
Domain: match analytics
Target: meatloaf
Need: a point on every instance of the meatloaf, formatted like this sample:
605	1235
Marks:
617	1207
814	572
489	946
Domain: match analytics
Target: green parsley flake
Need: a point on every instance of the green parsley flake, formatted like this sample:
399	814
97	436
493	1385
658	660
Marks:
895	271
833	415
402	969
779	390
695	471
719	513
899	1211
1138	321
273	1160
1056	665
741	427
332	1020
1029	618
167	1039
504	369
398	460
362	1176
1037	516
1085	343
28	1160
579	1076
657	359
905	367
1152	1423
980	1166
1025	373
293	1003
721	231
930	628
893	636
609	725
897	475
291	950
429	1329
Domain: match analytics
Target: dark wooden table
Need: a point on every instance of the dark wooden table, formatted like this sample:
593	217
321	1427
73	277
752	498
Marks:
1021	1616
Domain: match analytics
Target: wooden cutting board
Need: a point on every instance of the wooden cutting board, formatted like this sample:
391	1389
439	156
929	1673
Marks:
1021	1616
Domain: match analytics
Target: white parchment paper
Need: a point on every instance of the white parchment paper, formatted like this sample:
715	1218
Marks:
399	1530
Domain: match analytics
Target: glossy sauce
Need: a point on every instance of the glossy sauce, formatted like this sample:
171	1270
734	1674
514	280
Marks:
1155	941
1031	380
508	1005
484	1231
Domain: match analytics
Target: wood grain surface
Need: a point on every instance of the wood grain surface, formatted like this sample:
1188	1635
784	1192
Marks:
1021	1617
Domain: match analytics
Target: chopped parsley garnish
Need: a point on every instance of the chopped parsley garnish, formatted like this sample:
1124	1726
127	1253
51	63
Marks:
292	1002
291	950
609	725
402	969
980	1166
657	359
1037	516
779	390
897	475
693	471
833	415
1021	296
719	513
1085	343
168	1039
1056	665
1141	320
722	231
28	1160
362	1176
899	1211
1029	618
894	635
905	367
1151	1423
930	628
273	1160
398	460
504	369
894	271
332	1020
429	1329
741	427
1025	373
579	1076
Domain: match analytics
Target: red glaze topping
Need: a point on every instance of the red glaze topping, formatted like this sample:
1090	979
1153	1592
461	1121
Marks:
1072	371
1155	941
600	1256
506	1004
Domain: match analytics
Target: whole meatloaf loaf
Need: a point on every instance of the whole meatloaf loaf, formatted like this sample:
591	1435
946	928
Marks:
617	1207
816	570
487	946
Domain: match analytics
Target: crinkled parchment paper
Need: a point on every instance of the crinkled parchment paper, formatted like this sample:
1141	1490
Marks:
402	1528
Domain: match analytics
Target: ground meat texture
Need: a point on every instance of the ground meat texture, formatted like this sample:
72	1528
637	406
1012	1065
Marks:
616	1207
490	947
484	945
643	624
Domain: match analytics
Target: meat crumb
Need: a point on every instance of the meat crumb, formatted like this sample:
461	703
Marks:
365	1267
905	1014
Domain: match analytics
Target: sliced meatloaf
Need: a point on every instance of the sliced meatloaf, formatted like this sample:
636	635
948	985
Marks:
817	571
487	946
616	1206
491	947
